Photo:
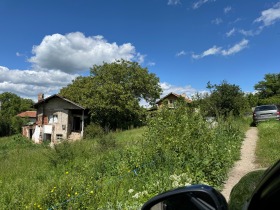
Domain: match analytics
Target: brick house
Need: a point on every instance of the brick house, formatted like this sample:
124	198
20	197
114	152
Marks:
58	118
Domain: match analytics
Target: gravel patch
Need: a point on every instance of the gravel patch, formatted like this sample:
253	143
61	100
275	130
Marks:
246	162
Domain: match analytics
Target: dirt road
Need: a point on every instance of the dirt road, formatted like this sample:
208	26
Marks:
246	162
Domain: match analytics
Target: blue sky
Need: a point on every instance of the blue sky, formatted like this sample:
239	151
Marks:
44	45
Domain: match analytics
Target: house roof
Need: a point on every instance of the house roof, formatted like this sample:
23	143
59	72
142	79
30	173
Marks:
174	94
57	96
30	114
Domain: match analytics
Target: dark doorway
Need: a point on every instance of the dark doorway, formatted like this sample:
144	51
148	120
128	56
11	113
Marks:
48	137
30	133
77	124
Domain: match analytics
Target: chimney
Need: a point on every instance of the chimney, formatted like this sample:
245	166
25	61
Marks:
40	97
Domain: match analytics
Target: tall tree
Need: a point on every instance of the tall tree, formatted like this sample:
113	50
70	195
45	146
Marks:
10	106
225	99
113	91
269	87
253	99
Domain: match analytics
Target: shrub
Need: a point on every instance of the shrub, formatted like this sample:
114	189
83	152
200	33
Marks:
107	141
181	141
62	154
93	130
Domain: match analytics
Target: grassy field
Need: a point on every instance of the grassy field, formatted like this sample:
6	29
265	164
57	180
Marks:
119	170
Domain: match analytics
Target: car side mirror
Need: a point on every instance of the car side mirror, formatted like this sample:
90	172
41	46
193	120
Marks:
267	193
190	197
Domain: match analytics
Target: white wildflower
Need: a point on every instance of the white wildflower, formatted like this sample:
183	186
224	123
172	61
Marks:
136	196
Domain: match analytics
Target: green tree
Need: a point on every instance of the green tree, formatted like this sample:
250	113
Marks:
81	91
202	101
225	99
113	91
269	89
253	99
10	106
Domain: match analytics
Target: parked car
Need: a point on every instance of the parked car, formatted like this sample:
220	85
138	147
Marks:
266	195
266	112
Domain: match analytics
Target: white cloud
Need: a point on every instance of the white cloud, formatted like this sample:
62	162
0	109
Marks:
199	3
249	32
167	88
74	53
227	9
235	21
219	51
173	2
140	58
212	51
28	83
151	63
269	16
243	32
19	54
217	21
236	48
181	53
59	59
231	32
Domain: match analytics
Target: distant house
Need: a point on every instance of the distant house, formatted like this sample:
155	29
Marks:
29	115
170	100
57	118
28	128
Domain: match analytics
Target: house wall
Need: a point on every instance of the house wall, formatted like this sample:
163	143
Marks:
170	101
51	114
60	127
25	131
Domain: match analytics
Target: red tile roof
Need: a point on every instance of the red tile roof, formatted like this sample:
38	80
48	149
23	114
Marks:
31	114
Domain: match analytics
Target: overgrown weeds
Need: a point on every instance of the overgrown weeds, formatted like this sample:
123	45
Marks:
120	170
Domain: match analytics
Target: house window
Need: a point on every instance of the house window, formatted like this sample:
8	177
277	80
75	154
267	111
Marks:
59	136
53	118
171	104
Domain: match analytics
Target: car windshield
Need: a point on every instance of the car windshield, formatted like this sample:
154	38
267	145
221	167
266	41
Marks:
264	108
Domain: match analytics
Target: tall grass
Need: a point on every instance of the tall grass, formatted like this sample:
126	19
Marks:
181	141
121	170
268	146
